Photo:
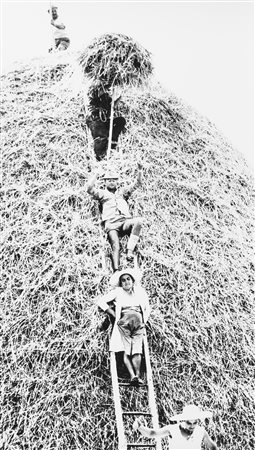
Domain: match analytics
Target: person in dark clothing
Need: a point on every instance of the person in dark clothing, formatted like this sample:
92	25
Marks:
98	121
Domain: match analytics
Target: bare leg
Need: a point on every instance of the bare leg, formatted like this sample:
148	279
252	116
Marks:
134	226
137	227
128	364
136	362
115	244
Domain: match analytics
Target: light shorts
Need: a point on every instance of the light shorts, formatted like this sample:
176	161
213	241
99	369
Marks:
131	328
116	223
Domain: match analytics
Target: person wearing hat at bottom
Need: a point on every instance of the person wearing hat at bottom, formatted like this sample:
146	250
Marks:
186	434
131	313
116	216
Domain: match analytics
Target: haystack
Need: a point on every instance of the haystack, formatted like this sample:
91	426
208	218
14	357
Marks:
197	261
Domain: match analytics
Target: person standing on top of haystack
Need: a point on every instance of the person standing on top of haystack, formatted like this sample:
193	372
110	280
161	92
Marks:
98	121
61	39
186	434
116	216
131	314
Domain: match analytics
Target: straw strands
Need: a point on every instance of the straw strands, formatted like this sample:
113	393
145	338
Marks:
196	255
115	59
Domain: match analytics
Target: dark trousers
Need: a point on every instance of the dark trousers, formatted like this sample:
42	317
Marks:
100	133
62	43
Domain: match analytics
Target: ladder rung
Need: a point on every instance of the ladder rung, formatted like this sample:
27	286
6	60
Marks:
141	445
130	385
136	413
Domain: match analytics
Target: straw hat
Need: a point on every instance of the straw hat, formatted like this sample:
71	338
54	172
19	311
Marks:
191	412
111	176
135	274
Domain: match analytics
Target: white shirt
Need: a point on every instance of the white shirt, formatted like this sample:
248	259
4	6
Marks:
57	32
180	442
113	203
138	298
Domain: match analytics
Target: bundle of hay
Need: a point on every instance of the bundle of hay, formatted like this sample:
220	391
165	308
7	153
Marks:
197	259
115	59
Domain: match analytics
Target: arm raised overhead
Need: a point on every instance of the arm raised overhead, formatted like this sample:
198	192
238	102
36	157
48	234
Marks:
129	190
91	189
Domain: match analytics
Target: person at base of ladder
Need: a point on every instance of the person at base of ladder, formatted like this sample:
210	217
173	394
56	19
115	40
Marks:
115	213
61	40
186	434
131	314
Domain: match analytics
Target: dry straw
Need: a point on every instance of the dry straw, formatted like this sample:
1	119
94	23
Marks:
197	259
115	59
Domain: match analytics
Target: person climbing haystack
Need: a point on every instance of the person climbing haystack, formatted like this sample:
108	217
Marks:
112	62
116	216
131	314
98	120
186	434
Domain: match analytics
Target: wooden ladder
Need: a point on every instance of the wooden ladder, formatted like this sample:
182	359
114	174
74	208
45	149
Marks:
120	414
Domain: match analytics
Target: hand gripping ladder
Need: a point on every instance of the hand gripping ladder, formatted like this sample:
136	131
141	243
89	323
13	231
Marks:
119	413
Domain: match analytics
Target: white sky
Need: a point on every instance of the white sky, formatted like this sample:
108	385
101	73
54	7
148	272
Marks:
202	51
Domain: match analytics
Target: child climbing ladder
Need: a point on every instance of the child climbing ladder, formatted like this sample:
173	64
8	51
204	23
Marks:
116	216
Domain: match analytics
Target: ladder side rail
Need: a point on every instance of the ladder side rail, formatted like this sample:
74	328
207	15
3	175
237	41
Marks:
122	444
111	127
102	242
101	233
151	392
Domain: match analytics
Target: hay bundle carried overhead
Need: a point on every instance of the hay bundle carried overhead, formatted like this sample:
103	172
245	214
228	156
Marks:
115	59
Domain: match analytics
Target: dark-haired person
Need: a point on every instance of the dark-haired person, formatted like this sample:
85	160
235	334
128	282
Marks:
186	434
98	121
116	216
131	313
61	38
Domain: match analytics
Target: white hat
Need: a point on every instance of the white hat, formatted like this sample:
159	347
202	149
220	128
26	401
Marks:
134	273
191	412
111	176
